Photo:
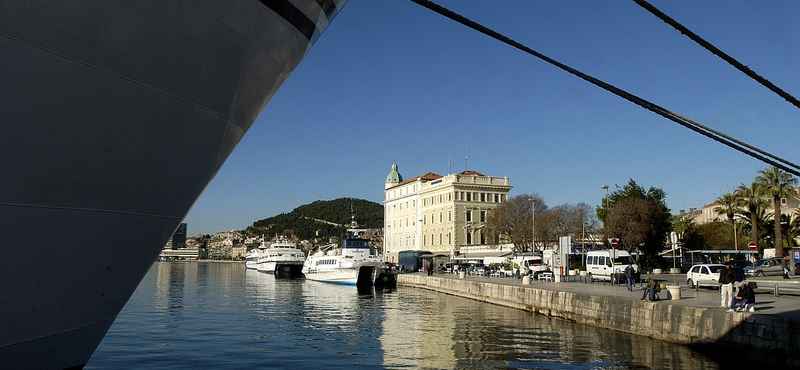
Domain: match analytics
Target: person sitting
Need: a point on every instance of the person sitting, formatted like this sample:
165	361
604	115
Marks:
650	289
745	297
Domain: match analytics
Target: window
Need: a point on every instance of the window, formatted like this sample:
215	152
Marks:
497	198
469	238
483	197
468	215
440	217
483	216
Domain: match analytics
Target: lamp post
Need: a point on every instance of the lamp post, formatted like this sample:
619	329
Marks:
533	224
605	222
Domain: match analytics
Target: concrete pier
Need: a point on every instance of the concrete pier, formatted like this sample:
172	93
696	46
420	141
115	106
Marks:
771	333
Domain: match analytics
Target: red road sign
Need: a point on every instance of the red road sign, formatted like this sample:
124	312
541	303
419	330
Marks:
753	246
614	242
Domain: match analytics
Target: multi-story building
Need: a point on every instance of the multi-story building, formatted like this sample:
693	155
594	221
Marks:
441	214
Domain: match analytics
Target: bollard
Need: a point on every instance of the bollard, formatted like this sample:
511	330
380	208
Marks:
526	280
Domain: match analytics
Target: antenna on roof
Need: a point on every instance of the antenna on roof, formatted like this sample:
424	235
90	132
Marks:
465	152
450	163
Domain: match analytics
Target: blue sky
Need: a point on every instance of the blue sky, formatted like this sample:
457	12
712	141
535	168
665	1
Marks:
390	81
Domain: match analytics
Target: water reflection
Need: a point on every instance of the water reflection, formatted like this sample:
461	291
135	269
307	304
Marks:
219	315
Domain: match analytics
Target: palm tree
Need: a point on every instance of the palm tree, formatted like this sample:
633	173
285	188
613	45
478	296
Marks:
728	207
751	199
778	184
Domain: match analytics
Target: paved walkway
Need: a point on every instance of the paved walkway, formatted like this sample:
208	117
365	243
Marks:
785	305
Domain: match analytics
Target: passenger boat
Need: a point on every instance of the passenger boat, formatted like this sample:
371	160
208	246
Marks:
281	256
115	116
353	262
251	258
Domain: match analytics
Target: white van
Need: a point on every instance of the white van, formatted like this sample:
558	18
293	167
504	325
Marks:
534	264
610	264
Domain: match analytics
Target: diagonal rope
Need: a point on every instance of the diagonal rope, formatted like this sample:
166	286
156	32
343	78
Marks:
685	122
714	50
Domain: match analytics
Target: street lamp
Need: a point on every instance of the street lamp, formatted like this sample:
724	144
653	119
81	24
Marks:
533	224
605	222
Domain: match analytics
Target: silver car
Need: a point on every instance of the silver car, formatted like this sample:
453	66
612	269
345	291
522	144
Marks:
768	266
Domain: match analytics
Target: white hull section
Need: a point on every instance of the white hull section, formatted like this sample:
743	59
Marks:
346	275
115	116
251	263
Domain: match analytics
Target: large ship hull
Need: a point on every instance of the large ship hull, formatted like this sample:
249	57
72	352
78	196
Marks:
115	116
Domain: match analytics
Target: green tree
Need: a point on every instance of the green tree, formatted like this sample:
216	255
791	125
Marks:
728	207
777	184
638	218
682	225
750	199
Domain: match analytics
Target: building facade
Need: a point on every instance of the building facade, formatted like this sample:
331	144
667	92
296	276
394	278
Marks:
441	214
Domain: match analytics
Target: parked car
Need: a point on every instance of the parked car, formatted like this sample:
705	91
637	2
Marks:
767	266
705	272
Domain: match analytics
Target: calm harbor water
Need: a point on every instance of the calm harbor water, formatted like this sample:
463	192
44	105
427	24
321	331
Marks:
222	316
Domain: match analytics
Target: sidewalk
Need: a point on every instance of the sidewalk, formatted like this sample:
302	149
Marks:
786	305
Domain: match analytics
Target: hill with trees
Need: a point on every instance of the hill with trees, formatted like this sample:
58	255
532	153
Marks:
320	219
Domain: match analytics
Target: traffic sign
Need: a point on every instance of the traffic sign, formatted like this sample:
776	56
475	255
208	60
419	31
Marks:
614	242
753	246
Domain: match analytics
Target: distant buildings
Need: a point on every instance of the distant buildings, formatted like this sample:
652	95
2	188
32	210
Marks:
176	248
709	212
442	214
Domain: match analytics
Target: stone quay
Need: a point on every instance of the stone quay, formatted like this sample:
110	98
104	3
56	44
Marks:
771	333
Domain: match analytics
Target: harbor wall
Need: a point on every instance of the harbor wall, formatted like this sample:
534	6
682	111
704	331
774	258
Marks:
769	337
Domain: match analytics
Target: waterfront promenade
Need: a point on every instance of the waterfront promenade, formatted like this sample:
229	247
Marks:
771	333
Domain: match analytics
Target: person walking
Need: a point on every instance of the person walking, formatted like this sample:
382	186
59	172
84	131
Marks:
726	278
629	277
785	266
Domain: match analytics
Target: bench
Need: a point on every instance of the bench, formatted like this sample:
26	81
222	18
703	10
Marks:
546	276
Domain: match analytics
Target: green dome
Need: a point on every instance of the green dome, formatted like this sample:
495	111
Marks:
394	176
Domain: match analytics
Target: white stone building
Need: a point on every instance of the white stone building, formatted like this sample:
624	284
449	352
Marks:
441	214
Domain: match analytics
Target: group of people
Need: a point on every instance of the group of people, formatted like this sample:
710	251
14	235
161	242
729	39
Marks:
735	294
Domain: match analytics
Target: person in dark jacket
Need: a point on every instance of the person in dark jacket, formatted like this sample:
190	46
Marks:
785	266
743	298
629	277
650	289
727	276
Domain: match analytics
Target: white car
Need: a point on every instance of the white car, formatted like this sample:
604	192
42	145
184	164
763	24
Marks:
704	272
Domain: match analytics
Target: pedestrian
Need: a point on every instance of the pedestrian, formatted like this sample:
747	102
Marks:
629	277
785	266
650	289
744	299
739	278
727	276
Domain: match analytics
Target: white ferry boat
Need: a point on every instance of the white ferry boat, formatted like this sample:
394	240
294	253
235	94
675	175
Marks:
115	116
353	262
281	256
251	258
